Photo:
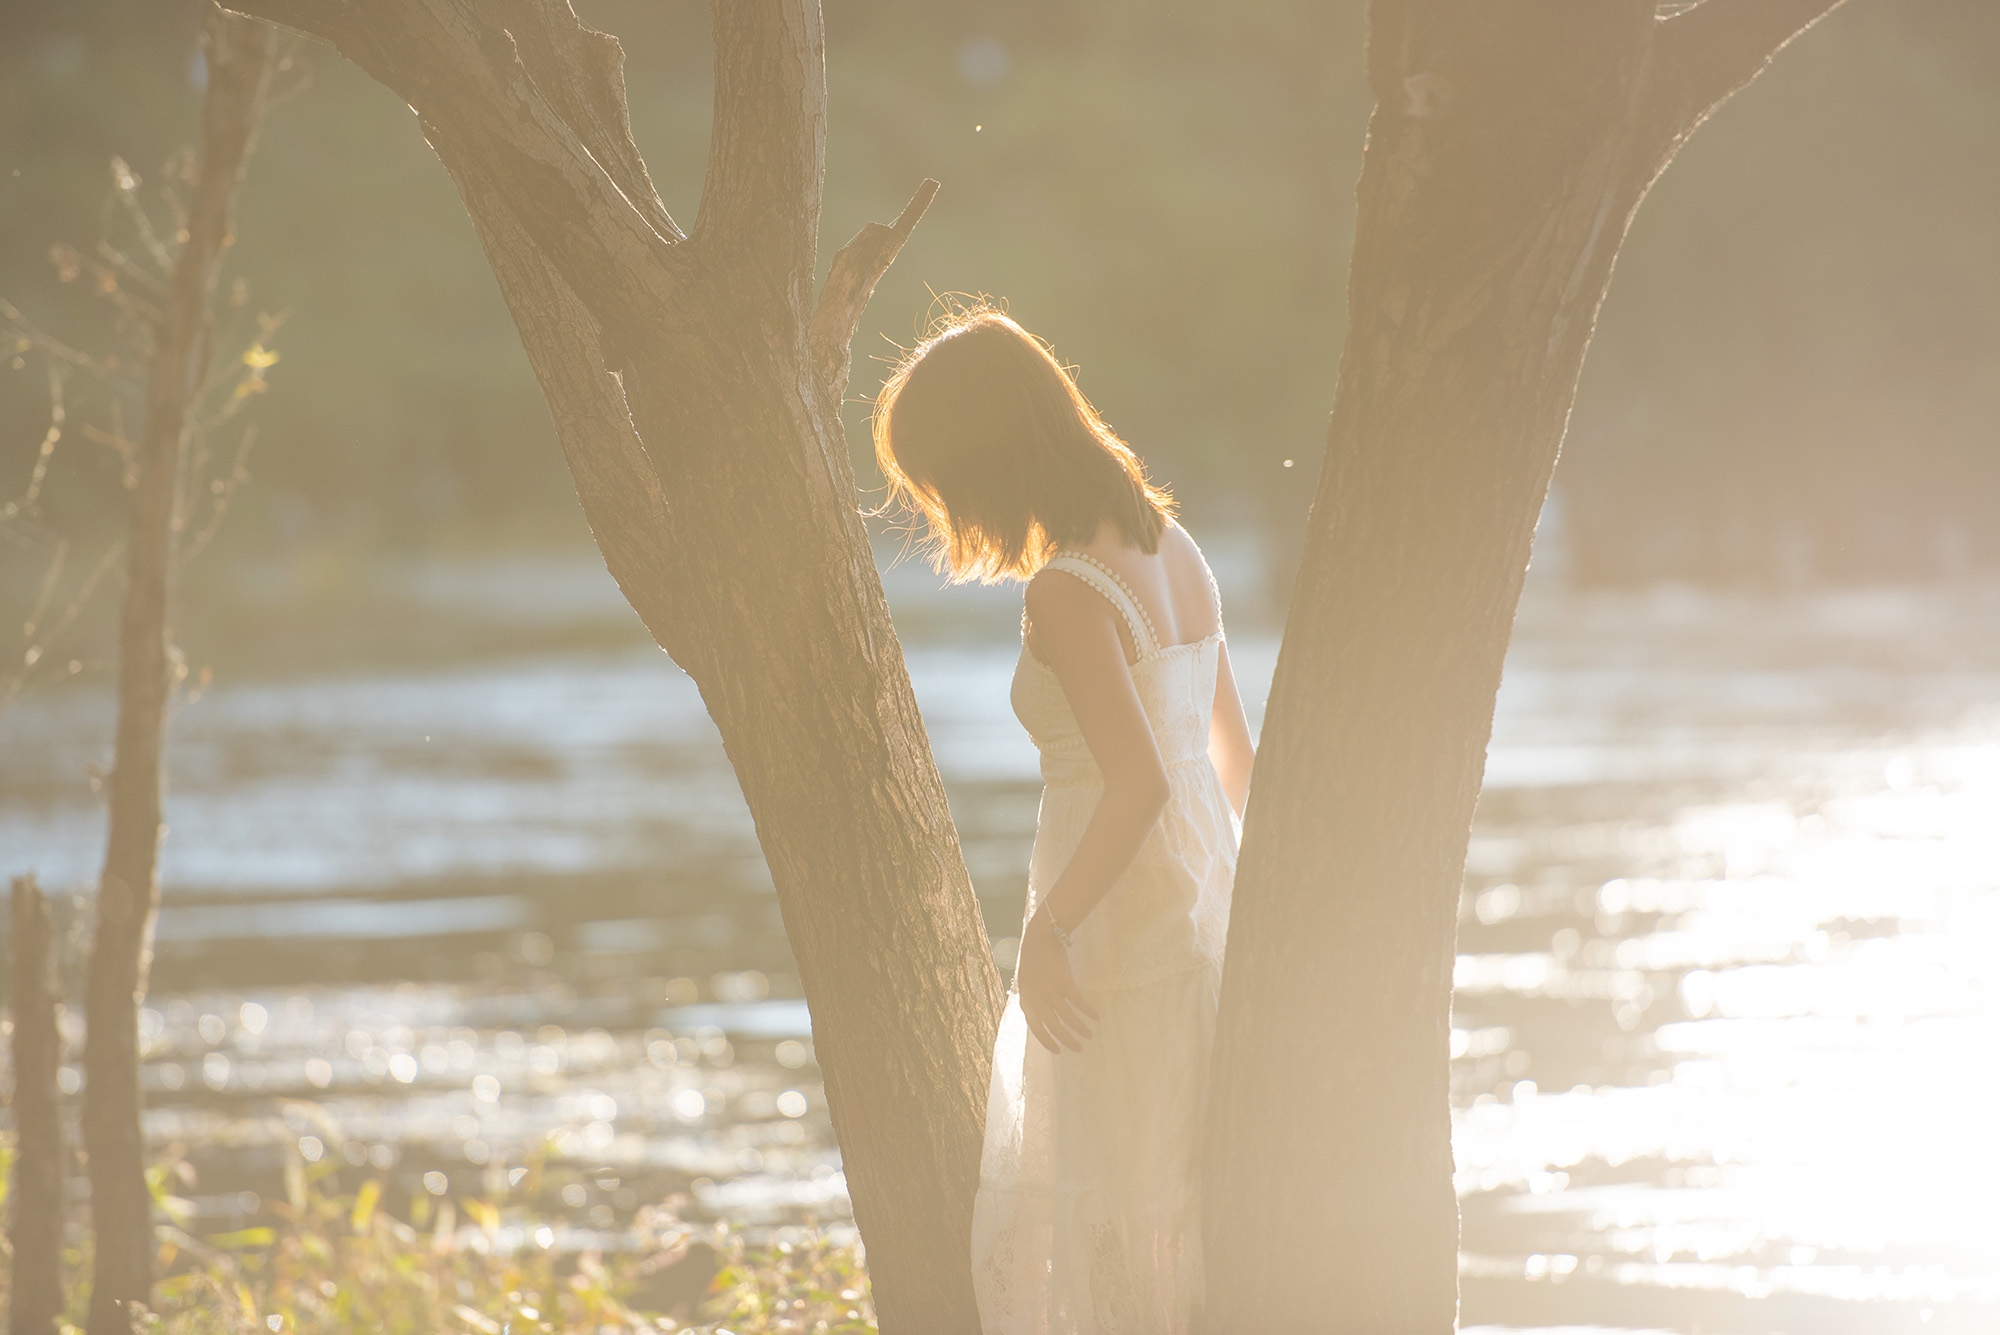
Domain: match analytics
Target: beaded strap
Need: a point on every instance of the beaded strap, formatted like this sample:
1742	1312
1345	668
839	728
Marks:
1151	644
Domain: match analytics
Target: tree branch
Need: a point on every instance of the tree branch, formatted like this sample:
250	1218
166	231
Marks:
623	498
850	281
581	72
1705	54
460	69
767	151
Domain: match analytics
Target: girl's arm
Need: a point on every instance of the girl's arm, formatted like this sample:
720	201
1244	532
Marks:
1075	631
1230	749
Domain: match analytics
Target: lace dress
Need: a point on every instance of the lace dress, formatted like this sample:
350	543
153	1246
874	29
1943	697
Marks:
1087	1220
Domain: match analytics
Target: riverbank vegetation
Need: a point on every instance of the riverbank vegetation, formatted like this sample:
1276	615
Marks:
327	1262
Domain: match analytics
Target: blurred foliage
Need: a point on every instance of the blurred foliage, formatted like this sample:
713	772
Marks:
325	1263
65	539
1793	374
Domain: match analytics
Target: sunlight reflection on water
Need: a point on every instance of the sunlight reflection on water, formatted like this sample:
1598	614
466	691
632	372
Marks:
1824	1097
1731	1031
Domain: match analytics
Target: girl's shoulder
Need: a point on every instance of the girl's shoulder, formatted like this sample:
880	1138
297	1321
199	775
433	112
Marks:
1055	588
1184	553
1175	539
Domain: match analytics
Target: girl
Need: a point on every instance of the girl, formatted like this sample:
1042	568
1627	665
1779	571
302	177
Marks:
1087	1219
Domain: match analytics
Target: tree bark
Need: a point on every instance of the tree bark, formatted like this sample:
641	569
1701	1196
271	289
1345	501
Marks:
695	387
238	53
35	1195
1509	148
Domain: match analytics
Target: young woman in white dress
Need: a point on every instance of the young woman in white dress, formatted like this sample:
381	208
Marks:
1087	1220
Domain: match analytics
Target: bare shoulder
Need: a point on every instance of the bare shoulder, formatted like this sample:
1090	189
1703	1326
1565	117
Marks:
1190	586
1178	545
1055	598
1063	611
1183	555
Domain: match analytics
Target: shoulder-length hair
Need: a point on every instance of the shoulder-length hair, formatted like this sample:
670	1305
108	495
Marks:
985	434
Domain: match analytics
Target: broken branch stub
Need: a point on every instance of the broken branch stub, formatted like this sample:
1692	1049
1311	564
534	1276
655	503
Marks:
850	282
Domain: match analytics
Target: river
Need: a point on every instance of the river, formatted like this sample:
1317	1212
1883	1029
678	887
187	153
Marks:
1727	1013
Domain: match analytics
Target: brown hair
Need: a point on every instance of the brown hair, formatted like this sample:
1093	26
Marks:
984	433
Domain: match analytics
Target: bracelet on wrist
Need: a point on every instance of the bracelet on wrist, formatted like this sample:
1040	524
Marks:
1061	933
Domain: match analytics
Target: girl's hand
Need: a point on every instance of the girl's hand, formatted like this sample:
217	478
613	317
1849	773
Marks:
1054	1006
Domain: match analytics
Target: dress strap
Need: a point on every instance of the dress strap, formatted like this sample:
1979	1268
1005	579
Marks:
1108	582
1215	595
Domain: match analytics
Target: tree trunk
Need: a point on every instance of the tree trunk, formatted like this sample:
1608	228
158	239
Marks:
1510	146
238	62
695	387
35	1195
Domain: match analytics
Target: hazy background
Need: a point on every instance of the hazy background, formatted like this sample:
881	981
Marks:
1794	379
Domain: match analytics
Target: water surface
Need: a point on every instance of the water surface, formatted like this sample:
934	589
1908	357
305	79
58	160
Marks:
1727	1042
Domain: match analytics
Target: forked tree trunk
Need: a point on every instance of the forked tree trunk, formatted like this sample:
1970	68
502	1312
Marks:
1511	143
238	53
695	386
35	1193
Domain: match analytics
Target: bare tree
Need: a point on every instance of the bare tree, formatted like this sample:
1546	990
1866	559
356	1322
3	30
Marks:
35	1194
238	54
1510	146
696	386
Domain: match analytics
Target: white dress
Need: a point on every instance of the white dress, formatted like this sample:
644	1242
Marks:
1088	1220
